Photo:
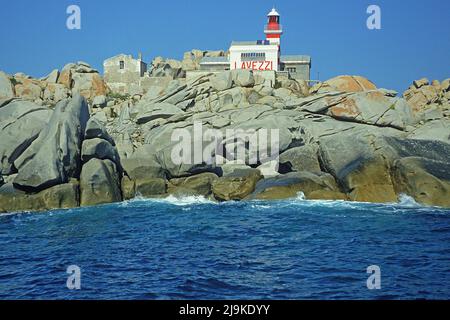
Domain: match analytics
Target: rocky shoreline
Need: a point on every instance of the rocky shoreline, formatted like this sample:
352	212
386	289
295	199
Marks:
66	140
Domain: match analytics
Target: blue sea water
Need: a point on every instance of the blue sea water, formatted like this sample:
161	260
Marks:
195	249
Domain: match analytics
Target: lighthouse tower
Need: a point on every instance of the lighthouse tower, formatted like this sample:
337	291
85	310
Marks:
273	29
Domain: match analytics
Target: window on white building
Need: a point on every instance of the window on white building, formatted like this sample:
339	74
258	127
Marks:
253	56
291	69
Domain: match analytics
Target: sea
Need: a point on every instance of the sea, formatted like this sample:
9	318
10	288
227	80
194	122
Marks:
193	248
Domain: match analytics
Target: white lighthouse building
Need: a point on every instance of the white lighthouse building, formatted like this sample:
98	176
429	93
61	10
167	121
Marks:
262	55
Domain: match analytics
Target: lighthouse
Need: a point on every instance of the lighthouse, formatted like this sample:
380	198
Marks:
273	29
263	57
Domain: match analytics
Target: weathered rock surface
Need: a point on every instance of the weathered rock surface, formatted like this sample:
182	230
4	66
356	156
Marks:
62	196
52	77
74	78
95	129
343	139
304	158
350	84
143	164
99	101
358	168
99	183
200	184
422	95
237	185
426	180
191	59
243	78
370	107
344	83
222	81
54	157
20	124
55	92
99	149
150	187
158	111
312	185
82	79
29	89
143	187
161	67
6	87
433	130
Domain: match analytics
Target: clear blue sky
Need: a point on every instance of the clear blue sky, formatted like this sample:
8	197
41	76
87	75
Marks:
414	40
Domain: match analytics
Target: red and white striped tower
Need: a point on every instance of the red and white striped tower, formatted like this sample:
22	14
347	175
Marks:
273	29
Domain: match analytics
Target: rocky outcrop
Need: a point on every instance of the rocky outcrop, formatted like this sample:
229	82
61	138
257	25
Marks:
62	196
29	89
43	159
317	185
309	127
55	92
95	129
161	67
83	80
99	183
74	78
343	139
52	77
101	174
143	187
304	158
420	94
6	87
426	180
20	124
158	111
222	81
344	84
99	149
236	186
200	184
350	84
438	129
150	187
54	157
99	102
243	78
370	107
424	97
191	59
171	68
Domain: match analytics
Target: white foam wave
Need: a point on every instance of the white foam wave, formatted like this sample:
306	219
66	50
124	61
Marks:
301	196
187	200
407	201
404	201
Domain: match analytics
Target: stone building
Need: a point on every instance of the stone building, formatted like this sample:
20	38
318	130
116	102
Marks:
297	66
123	73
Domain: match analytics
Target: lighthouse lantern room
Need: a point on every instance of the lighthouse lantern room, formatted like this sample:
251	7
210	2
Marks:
273	29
